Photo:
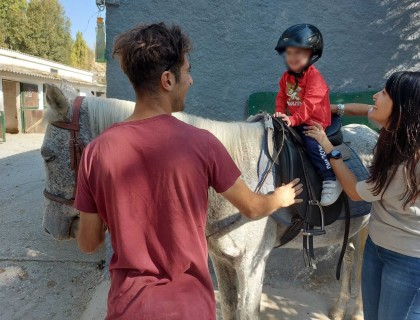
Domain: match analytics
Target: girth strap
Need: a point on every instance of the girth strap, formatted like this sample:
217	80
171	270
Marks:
346	234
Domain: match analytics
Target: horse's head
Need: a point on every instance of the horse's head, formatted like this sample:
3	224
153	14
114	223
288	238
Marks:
60	219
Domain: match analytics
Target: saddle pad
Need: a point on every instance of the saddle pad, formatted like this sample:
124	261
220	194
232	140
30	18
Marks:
357	208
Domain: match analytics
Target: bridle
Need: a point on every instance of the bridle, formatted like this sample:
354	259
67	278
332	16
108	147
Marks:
76	148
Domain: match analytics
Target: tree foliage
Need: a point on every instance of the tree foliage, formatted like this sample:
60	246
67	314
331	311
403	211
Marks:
48	34
41	28
81	55
13	24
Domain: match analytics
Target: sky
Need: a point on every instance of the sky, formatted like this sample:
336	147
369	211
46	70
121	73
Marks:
79	12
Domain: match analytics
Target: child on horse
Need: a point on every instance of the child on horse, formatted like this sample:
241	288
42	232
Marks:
304	92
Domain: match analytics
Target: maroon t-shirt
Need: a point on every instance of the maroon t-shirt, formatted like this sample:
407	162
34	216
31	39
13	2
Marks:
148	180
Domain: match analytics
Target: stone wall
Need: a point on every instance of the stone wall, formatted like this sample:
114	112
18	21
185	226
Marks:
365	41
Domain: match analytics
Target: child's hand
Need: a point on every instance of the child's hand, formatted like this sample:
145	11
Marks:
283	117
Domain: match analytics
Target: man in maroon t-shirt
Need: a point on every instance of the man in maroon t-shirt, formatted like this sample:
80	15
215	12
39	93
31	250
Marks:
147	178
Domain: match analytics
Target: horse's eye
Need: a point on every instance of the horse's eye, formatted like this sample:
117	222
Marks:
49	158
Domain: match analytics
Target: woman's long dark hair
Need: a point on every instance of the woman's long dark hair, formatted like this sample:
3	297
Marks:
399	141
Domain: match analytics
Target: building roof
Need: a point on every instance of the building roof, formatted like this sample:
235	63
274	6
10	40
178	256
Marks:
41	74
22	64
46	61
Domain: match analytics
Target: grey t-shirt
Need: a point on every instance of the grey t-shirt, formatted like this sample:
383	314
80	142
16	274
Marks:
390	226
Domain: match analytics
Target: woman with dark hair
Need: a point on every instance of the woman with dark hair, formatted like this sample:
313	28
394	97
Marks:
391	262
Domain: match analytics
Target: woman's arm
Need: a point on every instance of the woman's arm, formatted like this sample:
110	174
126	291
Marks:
353	109
347	179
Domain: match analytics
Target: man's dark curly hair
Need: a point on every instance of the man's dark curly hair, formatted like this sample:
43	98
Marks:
146	51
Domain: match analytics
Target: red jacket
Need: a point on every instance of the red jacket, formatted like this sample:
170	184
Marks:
309	101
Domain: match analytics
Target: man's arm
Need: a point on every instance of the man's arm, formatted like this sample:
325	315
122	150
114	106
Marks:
353	109
91	234
256	206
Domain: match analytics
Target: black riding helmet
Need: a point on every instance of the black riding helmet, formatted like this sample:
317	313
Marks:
303	36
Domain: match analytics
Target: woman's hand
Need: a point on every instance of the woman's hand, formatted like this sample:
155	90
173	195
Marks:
317	132
284	117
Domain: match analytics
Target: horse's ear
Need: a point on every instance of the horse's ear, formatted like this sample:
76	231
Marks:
68	90
56	100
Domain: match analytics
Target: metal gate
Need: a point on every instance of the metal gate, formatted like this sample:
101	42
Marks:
28	101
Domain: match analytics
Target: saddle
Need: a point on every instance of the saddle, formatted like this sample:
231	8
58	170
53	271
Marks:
292	162
309	217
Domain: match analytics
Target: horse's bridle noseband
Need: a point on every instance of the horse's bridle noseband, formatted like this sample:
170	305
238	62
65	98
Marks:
76	148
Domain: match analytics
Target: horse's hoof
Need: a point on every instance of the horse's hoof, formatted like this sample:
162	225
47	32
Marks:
336	314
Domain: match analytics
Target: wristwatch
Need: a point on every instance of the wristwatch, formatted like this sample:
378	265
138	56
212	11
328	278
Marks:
335	154
340	110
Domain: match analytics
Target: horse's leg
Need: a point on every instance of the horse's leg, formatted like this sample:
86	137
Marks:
358	308
227	285
338	311
250	281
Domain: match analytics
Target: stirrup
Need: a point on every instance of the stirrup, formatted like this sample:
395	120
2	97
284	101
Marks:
316	231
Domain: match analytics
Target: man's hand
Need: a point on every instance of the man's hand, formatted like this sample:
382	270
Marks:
256	206
284	118
286	194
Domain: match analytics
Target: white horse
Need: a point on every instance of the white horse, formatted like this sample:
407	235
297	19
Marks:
239	253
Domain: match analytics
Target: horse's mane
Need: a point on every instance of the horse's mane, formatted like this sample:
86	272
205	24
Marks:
234	135
104	112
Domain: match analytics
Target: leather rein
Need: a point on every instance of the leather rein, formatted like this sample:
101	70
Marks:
260	183
76	146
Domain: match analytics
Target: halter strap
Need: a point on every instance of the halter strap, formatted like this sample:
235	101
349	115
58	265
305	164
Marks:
58	199
76	146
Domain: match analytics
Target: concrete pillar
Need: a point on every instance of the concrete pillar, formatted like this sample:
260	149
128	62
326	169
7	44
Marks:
19	107
1	95
40	96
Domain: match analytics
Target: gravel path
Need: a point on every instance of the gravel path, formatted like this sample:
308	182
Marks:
40	278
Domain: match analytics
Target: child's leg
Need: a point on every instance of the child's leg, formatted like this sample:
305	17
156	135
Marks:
317	156
331	189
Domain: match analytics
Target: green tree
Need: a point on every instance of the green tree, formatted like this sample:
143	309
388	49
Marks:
48	33
81	55
13	24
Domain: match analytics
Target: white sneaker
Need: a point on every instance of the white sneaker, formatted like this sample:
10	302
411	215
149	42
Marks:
331	190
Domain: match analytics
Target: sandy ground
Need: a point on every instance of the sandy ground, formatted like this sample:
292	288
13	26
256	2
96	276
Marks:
41	278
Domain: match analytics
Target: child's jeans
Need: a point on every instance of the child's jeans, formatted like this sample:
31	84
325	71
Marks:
390	284
316	155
